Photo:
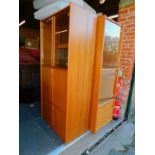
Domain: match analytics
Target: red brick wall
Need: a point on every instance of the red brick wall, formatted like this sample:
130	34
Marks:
127	19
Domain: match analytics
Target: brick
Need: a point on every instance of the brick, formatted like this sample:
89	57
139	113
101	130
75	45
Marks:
130	25
128	40
123	11
129	33
131	13
124	15
131	18
132	8
127	49
124	56
121	20
127	20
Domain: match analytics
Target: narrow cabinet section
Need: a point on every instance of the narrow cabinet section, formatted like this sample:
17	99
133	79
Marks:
106	66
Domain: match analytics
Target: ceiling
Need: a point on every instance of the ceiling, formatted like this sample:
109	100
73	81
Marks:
26	10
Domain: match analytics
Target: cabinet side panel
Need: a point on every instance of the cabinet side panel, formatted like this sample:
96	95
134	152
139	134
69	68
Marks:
97	72
80	69
41	60
41	42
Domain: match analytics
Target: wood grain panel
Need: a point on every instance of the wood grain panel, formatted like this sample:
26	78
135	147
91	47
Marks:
47	113
80	68
103	123
59	122
105	114
97	72
59	88
41	42
46	83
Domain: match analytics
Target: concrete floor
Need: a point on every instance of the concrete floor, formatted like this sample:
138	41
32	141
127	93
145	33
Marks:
121	142
35	137
89	140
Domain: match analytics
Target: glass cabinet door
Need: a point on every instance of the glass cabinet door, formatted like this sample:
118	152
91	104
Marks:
107	84
47	41
111	53
110	61
61	39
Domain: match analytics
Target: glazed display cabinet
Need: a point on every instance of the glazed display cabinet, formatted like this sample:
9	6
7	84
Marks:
106	66
67	58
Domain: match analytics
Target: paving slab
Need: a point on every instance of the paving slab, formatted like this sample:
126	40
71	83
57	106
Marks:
122	137
79	147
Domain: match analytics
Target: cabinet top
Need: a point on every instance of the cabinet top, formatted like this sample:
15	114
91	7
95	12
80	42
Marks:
67	8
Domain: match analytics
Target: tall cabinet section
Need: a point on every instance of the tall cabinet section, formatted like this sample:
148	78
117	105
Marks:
67	56
106	66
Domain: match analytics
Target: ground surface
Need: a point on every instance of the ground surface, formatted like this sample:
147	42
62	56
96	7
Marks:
35	137
121	142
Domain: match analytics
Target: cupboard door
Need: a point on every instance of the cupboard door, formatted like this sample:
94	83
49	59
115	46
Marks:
47	42
46	83
104	114
46	112
59	122
59	88
61	29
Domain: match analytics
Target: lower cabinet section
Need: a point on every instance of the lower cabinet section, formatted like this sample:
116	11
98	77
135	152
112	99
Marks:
59	122
47	112
55	118
104	114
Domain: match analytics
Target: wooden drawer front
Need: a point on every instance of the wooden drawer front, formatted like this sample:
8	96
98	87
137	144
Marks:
46	112
104	115
59	88
59	122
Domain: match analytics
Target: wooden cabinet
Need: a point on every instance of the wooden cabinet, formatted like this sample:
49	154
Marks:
59	89
106	65
67	56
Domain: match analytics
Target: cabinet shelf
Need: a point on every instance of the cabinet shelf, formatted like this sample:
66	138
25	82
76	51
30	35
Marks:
63	45
59	68
104	101
55	67
59	32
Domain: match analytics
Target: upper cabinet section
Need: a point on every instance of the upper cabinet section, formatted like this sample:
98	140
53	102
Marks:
111	54
47	40
61	39
55	36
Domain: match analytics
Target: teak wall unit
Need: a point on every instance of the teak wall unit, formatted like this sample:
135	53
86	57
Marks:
106	65
67	57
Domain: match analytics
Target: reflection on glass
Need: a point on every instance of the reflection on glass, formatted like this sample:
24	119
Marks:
47	43
111	44
107	84
61	39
